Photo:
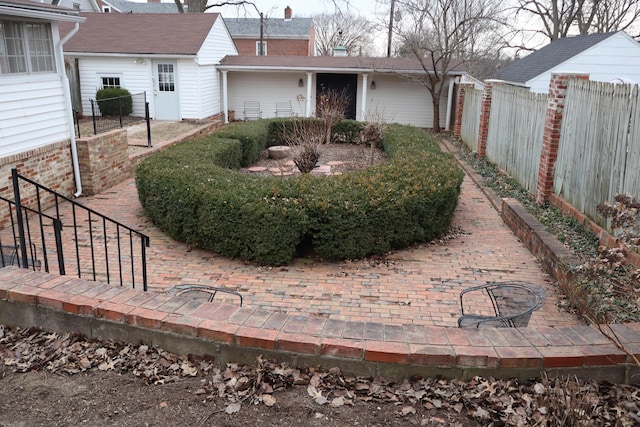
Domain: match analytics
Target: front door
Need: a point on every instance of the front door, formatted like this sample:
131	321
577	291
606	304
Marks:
340	82
165	91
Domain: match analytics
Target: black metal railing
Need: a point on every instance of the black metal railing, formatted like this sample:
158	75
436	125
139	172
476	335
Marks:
72	238
113	113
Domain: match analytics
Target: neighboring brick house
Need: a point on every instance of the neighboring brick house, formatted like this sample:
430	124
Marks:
288	36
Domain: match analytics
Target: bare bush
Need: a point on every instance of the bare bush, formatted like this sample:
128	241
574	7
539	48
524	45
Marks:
305	137
331	107
373	131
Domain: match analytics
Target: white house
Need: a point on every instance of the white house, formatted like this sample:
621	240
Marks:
605	57
36	121
384	86
170	57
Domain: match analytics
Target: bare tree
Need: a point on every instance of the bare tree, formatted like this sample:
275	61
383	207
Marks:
444	34
556	16
201	6
612	15
343	29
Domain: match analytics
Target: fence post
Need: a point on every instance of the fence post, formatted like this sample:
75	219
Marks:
148	120
485	113
457	126
93	116
552	129
120	109
21	235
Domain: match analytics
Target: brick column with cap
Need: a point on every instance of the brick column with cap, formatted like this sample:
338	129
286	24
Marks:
457	126
485	112
552	129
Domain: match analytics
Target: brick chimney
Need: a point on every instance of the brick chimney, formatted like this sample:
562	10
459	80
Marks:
287	13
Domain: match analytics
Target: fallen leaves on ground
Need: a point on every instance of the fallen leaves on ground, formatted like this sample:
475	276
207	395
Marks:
545	401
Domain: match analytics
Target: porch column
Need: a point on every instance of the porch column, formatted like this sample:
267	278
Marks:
307	113
450	105
363	111
225	99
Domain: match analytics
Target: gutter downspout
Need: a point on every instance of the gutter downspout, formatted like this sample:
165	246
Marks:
67	99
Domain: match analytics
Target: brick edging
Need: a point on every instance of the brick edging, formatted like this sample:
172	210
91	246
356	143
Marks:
228	333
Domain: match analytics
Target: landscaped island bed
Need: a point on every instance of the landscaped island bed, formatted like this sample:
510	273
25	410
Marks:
195	193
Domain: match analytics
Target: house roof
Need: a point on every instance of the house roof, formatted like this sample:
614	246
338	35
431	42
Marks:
28	8
141	33
326	63
124	6
553	54
272	27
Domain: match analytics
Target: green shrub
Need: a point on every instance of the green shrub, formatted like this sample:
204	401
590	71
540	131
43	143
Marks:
114	101
252	135
193	193
346	131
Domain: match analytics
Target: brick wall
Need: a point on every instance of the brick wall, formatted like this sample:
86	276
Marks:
457	127
50	166
275	47
485	116
104	161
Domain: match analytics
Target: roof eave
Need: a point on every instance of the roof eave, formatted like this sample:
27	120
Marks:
36	12
130	55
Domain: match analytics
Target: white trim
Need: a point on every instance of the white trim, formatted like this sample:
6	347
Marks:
24	11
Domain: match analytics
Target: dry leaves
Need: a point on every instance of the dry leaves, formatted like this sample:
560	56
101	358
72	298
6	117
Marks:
557	402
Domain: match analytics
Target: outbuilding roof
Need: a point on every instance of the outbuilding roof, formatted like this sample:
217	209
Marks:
141	33
546	58
320	63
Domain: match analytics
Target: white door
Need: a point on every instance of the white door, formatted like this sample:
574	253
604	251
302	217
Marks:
165	91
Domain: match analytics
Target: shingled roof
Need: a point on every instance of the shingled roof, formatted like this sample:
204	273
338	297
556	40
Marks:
273	28
319	63
125	6
551	55
141	33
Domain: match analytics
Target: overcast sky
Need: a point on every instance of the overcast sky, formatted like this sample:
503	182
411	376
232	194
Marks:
306	8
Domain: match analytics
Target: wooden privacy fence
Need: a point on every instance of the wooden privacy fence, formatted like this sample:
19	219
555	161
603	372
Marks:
599	150
471	117
515	132
582	141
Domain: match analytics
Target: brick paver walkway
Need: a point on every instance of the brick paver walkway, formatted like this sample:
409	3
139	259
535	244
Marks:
417	286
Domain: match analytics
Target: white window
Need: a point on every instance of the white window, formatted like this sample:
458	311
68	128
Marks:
106	9
109	81
26	48
262	45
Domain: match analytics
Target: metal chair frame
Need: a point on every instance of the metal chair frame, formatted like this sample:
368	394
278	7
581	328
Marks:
211	290
505	306
252	110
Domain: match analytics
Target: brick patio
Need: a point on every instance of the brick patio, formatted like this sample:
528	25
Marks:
395	316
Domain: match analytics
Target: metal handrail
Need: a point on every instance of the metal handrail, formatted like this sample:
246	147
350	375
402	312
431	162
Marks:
25	239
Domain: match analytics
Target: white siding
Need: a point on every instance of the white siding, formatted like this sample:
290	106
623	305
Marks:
198	89
399	100
136	78
217	45
403	101
32	113
268	88
618	56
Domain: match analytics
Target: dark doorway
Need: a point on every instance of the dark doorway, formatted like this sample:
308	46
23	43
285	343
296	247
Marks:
340	82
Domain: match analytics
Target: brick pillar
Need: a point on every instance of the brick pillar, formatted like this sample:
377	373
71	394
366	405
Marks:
485	112
551	136
457	126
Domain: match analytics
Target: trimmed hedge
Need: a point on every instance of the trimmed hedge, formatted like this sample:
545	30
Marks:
194	193
113	101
